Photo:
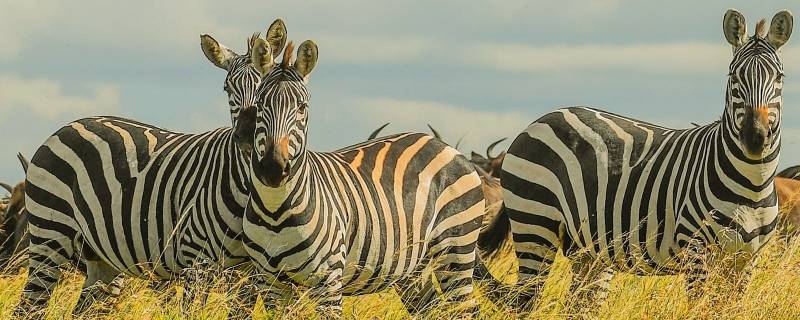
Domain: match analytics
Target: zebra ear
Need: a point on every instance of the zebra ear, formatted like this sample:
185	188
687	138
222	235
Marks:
218	54
734	28
261	54
307	56
780	29
276	36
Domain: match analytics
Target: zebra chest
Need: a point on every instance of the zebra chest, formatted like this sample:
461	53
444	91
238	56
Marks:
742	229
300	247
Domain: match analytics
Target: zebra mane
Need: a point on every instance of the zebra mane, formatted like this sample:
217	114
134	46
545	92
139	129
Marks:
761	29
252	41
287	55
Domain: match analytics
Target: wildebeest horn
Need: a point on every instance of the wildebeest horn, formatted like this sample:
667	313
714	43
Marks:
375	133
435	133
491	147
24	162
7	187
458	142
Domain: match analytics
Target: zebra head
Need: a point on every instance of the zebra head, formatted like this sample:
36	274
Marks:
755	81
242	79
282	110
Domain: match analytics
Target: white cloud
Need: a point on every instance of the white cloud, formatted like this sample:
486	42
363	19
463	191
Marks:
47	99
657	58
146	28
686	57
373	49
478	128
676	57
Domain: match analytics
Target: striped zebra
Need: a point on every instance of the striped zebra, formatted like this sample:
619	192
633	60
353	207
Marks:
619	194
127	198
360	219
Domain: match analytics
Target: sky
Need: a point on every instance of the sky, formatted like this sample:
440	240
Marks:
480	70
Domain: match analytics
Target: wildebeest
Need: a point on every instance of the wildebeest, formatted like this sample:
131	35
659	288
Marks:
787	186
13	223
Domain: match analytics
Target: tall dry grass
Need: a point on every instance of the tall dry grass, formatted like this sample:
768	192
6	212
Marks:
773	293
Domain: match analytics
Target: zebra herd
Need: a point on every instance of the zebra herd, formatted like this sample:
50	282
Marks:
120	198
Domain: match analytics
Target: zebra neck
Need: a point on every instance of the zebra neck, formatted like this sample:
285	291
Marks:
730	155
238	171
280	200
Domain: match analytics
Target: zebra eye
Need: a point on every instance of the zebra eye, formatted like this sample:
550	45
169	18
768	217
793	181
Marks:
301	109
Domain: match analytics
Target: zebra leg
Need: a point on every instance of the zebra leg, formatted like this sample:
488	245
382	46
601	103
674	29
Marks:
329	294
696	269
196	282
103	284
45	258
590	283
535	255
742	273
417	293
272	290
244	299
454	273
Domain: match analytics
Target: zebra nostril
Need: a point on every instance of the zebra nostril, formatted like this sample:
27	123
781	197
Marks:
286	170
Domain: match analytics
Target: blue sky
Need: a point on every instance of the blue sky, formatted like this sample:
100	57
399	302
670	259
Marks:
482	70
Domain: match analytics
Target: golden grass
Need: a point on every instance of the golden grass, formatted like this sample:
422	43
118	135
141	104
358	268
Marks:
772	293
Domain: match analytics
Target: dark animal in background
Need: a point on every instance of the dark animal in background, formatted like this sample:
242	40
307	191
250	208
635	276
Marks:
375	133
787	186
489	163
13	224
792	172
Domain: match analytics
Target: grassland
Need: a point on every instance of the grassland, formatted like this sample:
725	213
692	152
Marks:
773	293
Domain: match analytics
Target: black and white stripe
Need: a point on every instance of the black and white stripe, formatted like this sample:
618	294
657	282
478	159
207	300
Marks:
127	198
626	195
360	219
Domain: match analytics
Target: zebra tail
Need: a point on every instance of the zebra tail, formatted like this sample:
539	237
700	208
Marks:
493	235
490	240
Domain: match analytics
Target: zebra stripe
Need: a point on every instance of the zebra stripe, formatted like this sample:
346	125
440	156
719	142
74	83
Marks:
359	219
646	199
127	198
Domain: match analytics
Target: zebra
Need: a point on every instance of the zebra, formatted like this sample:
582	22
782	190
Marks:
359	219
128	198
619	194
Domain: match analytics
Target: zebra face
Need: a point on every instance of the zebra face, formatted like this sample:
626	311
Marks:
240	86
282	116
755	82
242	80
755	100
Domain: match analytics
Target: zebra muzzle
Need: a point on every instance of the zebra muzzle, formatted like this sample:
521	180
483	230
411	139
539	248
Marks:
755	134
273	168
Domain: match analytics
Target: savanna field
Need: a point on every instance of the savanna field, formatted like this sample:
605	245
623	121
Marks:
771	294
581	96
